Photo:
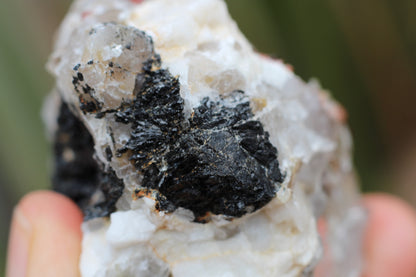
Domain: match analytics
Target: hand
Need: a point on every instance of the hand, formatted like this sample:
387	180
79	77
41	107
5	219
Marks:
45	238
390	238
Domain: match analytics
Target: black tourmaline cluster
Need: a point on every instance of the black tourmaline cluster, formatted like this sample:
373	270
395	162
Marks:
77	174
217	161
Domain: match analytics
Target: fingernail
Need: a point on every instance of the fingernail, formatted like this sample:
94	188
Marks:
19	243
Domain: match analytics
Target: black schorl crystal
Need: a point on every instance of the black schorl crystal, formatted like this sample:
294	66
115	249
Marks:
217	161
77	174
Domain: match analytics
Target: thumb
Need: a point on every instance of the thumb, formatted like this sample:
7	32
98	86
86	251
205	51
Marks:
45	237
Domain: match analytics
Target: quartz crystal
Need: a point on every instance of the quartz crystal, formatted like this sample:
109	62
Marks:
192	155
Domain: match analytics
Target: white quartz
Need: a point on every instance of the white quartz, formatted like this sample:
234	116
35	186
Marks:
201	44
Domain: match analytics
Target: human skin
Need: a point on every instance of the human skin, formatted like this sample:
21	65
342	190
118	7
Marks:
45	237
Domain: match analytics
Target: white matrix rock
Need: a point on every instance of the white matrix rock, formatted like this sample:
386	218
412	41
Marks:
167	140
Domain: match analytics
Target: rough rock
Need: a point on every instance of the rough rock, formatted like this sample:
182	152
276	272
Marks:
192	155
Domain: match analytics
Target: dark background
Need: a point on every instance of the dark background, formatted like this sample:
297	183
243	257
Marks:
363	51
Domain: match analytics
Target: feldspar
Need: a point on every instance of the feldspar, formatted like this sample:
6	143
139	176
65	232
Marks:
192	155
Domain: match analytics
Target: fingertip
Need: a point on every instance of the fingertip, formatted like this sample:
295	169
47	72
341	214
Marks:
390	238
52	206
45	238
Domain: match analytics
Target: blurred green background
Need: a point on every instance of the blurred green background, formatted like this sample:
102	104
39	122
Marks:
363	51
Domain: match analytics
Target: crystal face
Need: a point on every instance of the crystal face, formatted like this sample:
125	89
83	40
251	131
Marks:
192	155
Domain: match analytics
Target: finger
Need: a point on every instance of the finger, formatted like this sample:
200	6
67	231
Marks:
45	237
390	238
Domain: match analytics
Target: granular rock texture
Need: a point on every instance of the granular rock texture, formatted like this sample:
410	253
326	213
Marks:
192	155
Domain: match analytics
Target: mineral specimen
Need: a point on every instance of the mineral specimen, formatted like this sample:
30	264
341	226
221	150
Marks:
192	155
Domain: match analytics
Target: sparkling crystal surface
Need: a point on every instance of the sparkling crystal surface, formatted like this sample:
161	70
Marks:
193	155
